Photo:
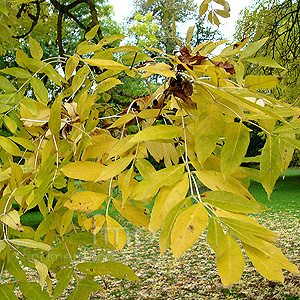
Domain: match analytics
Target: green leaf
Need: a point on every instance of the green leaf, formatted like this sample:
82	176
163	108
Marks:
293	143
55	116
216	237
13	267
233	202
91	34
165	177
253	82
63	282
66	220
84	288
16	72
187	228
253	47
27	144
270	165
264	62
35	49
235	148
159	132
166	199
31	244
10	147
86	201
115	269
6	293
32	291
5	85
39	89
206	131
231	263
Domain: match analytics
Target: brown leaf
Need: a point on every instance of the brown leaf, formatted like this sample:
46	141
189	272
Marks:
226	66
188	59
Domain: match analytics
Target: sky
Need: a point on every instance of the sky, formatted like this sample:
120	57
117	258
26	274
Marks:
123	8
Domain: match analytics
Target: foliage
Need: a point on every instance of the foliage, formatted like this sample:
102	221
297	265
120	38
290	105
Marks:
144	30
85	158
279	22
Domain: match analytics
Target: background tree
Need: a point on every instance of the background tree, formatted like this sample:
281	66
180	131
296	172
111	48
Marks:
279	21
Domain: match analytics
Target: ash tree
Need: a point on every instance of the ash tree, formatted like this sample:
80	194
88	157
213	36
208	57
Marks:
68	145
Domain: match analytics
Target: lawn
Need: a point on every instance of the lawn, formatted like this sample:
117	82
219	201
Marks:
194	276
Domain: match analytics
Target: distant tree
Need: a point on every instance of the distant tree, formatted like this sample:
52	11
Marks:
279	22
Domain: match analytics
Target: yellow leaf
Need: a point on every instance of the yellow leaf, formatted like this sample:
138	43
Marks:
166	177
111	38
264	62
159	68
254	83
203	8
115	233
215	181
121	121
101	144
216	237
264	264
168	224
121	146
105	64
270	164
40	90
12	219
189	34
31	244
94	224
253	47
108	84
206	131
127	185
159	132
114	168
231	263
10	124
133	214
43	272
187	228
235	148
86	201
233	202
145	168
83	170
166	199
149	113
71	65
